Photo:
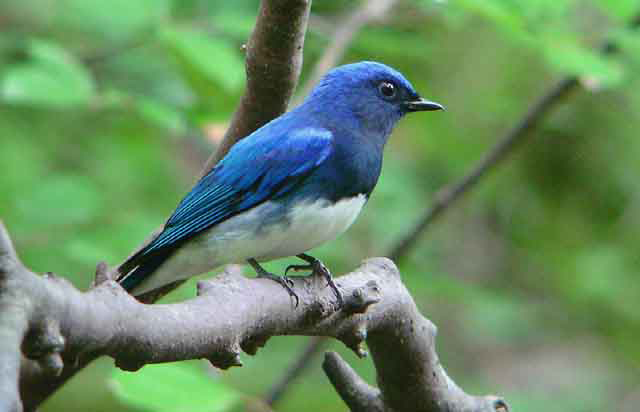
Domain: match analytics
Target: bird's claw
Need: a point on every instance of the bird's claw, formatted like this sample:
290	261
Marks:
318	268
335	289
284	281
287	279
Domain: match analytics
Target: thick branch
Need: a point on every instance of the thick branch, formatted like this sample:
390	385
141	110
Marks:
13	325
231	314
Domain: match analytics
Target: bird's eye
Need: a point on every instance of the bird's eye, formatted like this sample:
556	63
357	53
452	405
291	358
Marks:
388	90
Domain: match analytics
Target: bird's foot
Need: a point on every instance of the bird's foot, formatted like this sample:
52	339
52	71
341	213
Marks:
284	281
317	268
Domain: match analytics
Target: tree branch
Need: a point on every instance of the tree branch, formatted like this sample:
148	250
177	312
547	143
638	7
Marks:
57	325
355	392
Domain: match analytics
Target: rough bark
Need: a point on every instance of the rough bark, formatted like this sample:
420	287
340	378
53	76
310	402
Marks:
56	326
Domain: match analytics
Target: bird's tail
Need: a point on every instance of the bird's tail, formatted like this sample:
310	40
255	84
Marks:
140	267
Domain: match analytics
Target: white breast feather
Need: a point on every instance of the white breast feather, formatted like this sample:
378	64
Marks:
312	224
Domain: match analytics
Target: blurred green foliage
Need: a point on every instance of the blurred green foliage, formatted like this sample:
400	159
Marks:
108	109
205	393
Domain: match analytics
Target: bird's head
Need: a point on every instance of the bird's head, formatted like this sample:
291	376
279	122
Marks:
371	94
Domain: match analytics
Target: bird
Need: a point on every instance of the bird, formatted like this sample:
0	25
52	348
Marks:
295	183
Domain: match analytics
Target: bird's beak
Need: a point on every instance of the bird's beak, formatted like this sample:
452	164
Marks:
422	105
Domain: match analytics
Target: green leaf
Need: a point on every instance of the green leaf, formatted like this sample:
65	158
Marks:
547	26
215	59
87	251
629	42
566	55
98	17
173	387
233	22
60	200
622	10
152	110
506	15
51	77
161	115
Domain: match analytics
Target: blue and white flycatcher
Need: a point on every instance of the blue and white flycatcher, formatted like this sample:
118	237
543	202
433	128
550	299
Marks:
295	183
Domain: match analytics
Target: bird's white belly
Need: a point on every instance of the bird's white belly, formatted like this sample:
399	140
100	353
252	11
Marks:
309	225
246	236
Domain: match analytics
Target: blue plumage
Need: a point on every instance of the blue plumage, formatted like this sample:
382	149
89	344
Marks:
312	161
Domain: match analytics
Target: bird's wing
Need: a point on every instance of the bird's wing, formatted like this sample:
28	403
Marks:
254	170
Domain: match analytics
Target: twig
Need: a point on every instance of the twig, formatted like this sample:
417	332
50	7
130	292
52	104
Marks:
367	12
314	346
446	196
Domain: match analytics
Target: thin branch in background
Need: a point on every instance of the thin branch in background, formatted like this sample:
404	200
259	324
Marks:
351	24
448	195
315	345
